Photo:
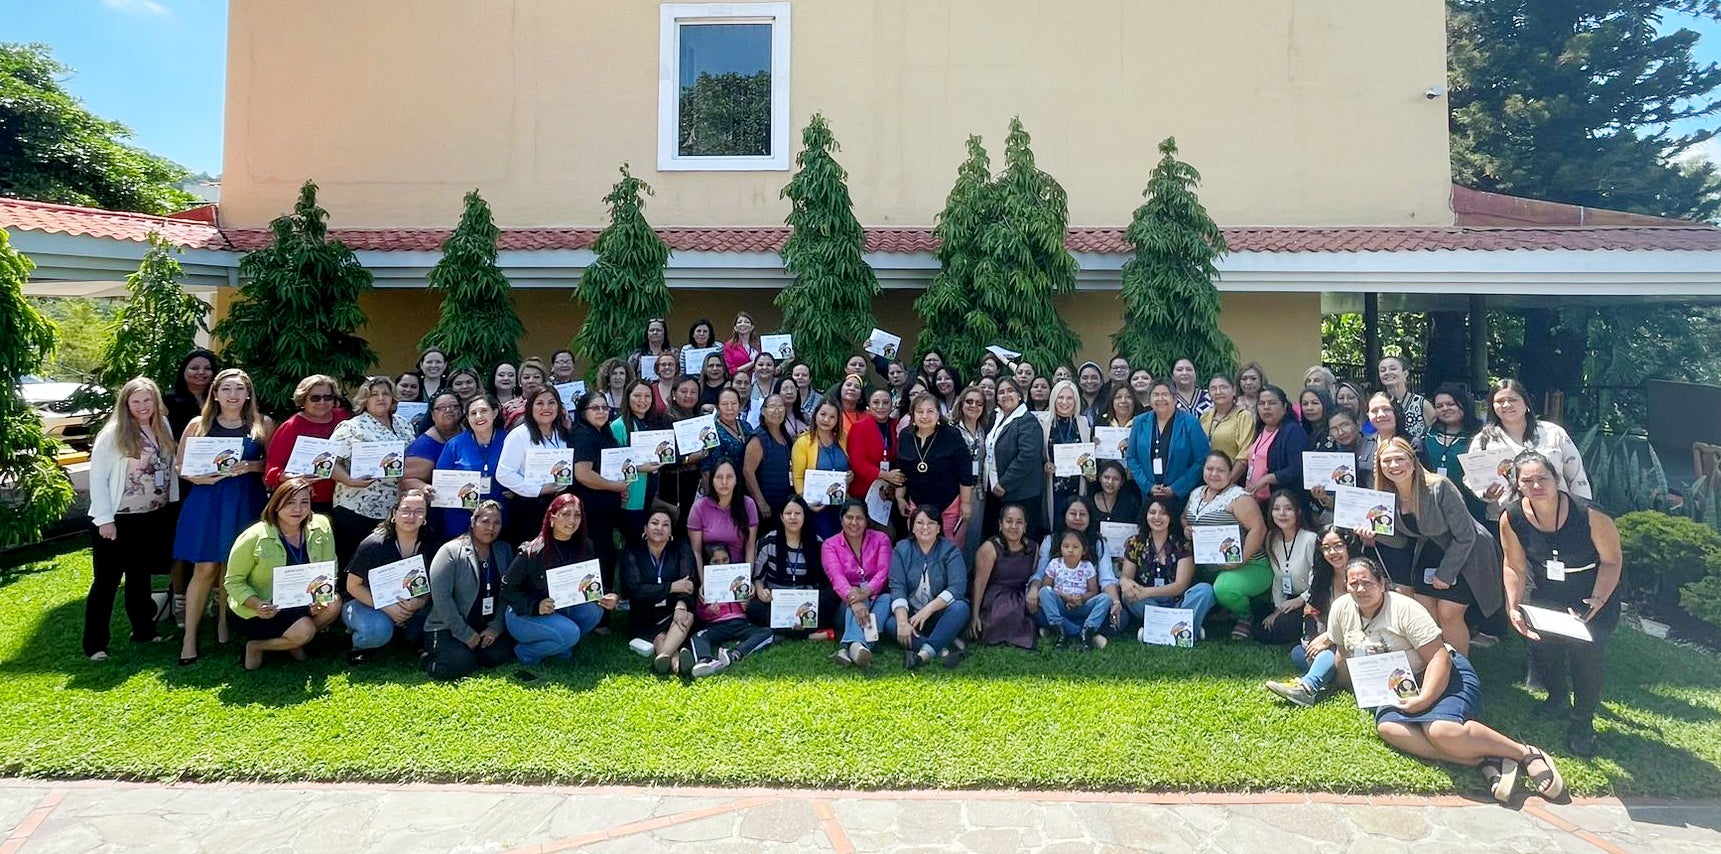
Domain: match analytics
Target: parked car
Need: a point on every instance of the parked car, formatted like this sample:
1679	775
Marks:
54	402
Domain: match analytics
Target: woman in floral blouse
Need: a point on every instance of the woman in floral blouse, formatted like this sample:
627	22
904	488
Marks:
363	502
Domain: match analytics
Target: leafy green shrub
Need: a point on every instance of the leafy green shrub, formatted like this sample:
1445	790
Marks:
1663	553
1702	598
1624	471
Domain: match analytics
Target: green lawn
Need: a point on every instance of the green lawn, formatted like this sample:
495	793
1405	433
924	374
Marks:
1126	717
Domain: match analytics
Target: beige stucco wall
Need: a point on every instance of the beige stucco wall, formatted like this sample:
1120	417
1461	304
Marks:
1297	111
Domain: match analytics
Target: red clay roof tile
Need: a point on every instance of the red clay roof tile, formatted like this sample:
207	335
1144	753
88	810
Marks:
119	225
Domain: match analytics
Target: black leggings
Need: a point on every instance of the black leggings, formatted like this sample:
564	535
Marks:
447	658
141	546
742	637
1571	667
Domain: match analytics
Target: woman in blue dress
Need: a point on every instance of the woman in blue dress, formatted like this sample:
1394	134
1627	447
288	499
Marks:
222	504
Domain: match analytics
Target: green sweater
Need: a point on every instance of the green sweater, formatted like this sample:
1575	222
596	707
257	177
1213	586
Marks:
256	553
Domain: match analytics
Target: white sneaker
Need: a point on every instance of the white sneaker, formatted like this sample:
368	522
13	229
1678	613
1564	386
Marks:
99	656
642	647
860	655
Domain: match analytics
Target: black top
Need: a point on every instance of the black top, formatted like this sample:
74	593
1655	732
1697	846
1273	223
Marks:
523	587
647	579
588	445
948	466
181	408
1570	544
381	549
780	567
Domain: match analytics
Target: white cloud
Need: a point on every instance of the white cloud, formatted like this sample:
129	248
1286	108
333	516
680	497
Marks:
1709	149
136	7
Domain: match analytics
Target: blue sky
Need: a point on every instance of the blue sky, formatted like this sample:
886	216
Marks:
159	65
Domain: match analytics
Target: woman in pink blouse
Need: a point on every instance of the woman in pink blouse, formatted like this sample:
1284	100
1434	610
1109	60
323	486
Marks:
858	563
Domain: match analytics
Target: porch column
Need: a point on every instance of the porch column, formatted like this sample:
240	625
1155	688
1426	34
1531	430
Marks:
1370	336
1478	343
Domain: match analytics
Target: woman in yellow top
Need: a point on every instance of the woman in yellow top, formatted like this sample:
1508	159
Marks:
821	447
1229	425
288	535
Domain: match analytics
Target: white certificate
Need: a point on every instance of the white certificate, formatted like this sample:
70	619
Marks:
882	343
648	368
1381	679
312	457
1558	622
794	609
575	583
1073	460
825	488
410	410
570	394
211	455
1329	469
693	359
548	466
1355	508
617	465
1111	443
1168	626
458	490
1483	469
1218	544
653	446
1116	534
780	346
722	583
378	459
1004	354
303	584
404	579
696	434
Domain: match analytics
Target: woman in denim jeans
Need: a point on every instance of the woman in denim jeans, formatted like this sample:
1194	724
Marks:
402	535
1157	569
928	602
857	560
541	626
1314	656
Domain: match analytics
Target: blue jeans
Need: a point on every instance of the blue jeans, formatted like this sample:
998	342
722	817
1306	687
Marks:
945	625
372	629
1198	598
852	631
1320	669
538	637
1055	615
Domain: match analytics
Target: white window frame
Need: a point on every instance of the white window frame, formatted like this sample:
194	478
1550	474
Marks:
674	15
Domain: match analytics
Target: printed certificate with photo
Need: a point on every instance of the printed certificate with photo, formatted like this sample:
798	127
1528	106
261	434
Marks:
794	609
407	578
1329	469
696	434
825	488
780	346
653	446
1168	626
312	457
458	490
206	455
1073	460
1355	508
378	460
722	583
1381	679
575	583
303	584
1111	443
1217	544
882	343
617	465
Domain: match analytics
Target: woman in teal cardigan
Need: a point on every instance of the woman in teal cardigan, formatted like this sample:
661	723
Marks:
288	535
1166	447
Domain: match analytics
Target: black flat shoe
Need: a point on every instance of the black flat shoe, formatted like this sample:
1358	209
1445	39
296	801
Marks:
525	676
187	662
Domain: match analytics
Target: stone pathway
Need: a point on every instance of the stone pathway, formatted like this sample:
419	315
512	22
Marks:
37	817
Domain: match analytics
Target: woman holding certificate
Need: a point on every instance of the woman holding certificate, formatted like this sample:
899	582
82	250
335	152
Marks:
1157	570
1343	436
446	409
602	496
937	470
732	432
131	486
1512	427
526	468
478	449
639	415
1166	447
661	578
872	447
288	535
1562	571
1433	714
821	449
1063	424
366	485
222	455
725	515
400	599
465	629
789	559
546	618
1239	573
1448	559
858	563
317	418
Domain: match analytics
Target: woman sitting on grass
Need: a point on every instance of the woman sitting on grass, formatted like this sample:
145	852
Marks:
464	630
928	602
788	559
402	535
1003	568
858	562
541	626
727	636
1314	655
1157	570
658	575
288	535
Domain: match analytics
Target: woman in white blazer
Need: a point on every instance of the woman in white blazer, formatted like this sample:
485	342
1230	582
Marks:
132	485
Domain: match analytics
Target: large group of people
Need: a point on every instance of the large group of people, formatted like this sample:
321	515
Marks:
942	518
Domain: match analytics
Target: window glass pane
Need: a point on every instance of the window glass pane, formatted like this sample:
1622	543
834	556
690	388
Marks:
725	90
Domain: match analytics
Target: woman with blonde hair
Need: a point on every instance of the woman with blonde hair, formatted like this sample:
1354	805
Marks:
221	504
132	485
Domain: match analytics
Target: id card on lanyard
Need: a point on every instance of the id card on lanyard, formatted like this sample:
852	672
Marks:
487	605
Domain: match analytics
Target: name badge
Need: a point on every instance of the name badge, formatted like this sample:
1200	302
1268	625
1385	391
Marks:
488	606
975	468
1556	570
884	465
1442	471
1285	585
1158	466
160	479
484	485
1158	582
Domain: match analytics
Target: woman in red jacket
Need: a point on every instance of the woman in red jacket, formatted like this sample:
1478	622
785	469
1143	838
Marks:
872	448
317	418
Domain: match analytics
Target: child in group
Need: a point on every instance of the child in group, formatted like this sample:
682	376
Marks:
1068	588
724	624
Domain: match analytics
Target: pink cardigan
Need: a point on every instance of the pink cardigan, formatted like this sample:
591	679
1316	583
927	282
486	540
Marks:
845	573
736	357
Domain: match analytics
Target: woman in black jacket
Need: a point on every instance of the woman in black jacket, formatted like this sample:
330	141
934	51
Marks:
1015	460
541	626
659	576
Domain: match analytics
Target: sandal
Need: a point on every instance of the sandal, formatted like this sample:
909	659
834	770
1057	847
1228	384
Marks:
1549	784
1240	632
1502	777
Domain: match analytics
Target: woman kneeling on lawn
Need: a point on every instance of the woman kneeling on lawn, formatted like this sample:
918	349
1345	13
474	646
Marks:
464	630
288	535
541	626
1437	722
928	604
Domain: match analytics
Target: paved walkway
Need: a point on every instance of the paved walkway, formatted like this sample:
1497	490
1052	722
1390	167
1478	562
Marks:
38	817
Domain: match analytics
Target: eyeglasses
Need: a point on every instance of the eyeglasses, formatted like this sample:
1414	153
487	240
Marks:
319	398
1334	547
447	407
598	407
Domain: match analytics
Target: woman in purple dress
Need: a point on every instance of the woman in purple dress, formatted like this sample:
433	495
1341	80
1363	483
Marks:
1002	568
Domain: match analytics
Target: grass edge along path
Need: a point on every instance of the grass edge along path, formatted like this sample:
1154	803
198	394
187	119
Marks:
1124	718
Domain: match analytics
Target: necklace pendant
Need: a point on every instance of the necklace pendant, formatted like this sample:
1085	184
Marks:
920	467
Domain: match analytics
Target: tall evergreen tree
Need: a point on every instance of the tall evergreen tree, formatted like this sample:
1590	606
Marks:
1024	265
1171	308
34	493
954	325
828	307
298	312
156	327
477	326
623	289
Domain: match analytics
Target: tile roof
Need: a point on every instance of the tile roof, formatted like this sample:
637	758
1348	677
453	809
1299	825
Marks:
64	219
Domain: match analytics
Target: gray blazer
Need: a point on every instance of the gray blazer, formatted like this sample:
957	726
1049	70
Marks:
1021	459
454	586
946	573
1467	548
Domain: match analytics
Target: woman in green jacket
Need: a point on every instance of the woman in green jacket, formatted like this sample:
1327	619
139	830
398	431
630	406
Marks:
288	535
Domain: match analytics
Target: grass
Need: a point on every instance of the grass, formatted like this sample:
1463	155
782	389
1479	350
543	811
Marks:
1127	717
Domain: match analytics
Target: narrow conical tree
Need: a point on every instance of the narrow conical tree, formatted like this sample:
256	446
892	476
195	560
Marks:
154	330
34	493
477	326
828	307
623	289
298	312
1024	265
1171	308
949	310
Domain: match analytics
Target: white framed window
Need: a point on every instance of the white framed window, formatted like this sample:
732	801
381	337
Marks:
723	87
